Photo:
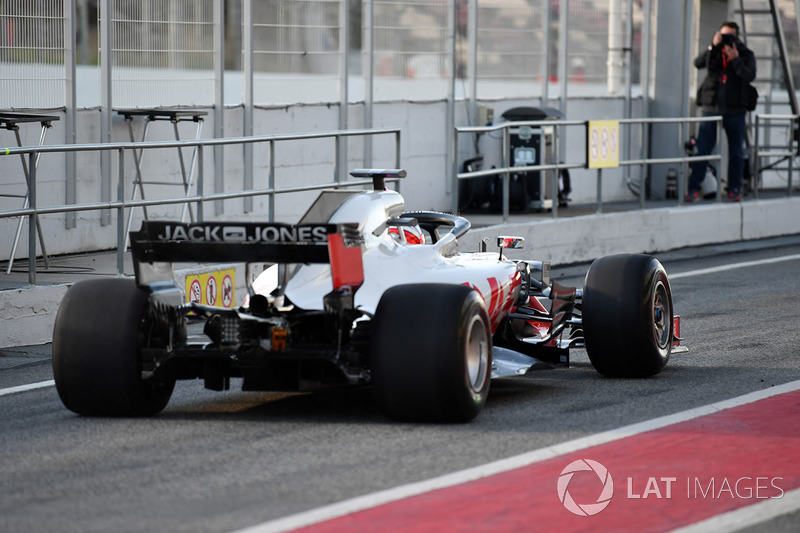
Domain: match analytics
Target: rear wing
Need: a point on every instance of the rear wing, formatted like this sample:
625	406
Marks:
248	242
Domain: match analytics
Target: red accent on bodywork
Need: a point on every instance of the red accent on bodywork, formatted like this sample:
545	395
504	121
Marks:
676	330
347	268
494	297
502	298
542	328
534	303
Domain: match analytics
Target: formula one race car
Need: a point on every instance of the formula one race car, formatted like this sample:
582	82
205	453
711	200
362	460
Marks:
361	294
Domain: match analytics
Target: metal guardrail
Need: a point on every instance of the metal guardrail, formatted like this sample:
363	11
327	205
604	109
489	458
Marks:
788	154
644	124
121	204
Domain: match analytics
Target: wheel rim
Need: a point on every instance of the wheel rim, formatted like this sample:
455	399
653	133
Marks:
477	353
661	316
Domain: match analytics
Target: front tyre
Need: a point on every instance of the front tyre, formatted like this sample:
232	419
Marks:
96	359
627	315
430	353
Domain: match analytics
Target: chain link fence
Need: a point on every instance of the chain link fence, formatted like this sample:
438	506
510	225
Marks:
163	53
32	54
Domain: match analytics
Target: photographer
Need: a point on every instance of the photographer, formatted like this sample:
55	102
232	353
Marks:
731	66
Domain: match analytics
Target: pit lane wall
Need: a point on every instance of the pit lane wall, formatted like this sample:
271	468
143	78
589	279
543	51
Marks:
585	238
27	315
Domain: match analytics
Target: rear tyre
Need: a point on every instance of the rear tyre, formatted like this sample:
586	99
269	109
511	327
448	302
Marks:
96	360
431	353
627	315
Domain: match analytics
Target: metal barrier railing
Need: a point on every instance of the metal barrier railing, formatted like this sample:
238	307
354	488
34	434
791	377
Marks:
787	155
121	204
644	124
685	160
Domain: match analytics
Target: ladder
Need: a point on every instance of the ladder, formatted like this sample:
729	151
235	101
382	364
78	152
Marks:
762	30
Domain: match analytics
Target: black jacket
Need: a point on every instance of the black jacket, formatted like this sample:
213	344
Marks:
731	96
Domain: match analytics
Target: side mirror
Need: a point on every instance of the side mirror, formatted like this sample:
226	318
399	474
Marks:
514	243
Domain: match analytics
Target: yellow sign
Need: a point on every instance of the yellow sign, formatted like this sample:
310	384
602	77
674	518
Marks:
602	143
279	337
216	289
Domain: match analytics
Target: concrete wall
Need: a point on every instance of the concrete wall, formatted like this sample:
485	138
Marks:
27	315
586	238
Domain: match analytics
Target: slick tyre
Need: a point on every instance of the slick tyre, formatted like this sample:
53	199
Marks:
96	359
431	353
627	315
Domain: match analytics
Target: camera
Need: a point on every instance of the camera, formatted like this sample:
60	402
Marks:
728	39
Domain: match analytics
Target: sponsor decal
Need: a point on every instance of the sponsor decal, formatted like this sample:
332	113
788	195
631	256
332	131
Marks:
241	233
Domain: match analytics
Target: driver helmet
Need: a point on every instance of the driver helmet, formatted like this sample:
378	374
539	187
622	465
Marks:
407	234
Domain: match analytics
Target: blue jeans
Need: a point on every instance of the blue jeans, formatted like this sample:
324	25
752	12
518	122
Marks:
735	130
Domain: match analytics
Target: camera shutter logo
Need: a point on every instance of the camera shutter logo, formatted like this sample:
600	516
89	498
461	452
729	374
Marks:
585	509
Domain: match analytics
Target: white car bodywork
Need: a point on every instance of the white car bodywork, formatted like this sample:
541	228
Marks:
388	262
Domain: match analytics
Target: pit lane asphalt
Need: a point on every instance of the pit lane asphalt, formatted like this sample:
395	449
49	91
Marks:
222	461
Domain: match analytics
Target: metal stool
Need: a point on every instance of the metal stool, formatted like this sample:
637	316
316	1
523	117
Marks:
175	116
10	121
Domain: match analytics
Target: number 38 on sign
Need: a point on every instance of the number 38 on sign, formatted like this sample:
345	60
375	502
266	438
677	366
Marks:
602	143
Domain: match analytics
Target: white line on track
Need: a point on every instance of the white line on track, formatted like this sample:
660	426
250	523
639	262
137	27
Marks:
747	516
723	268
23	388
456	478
